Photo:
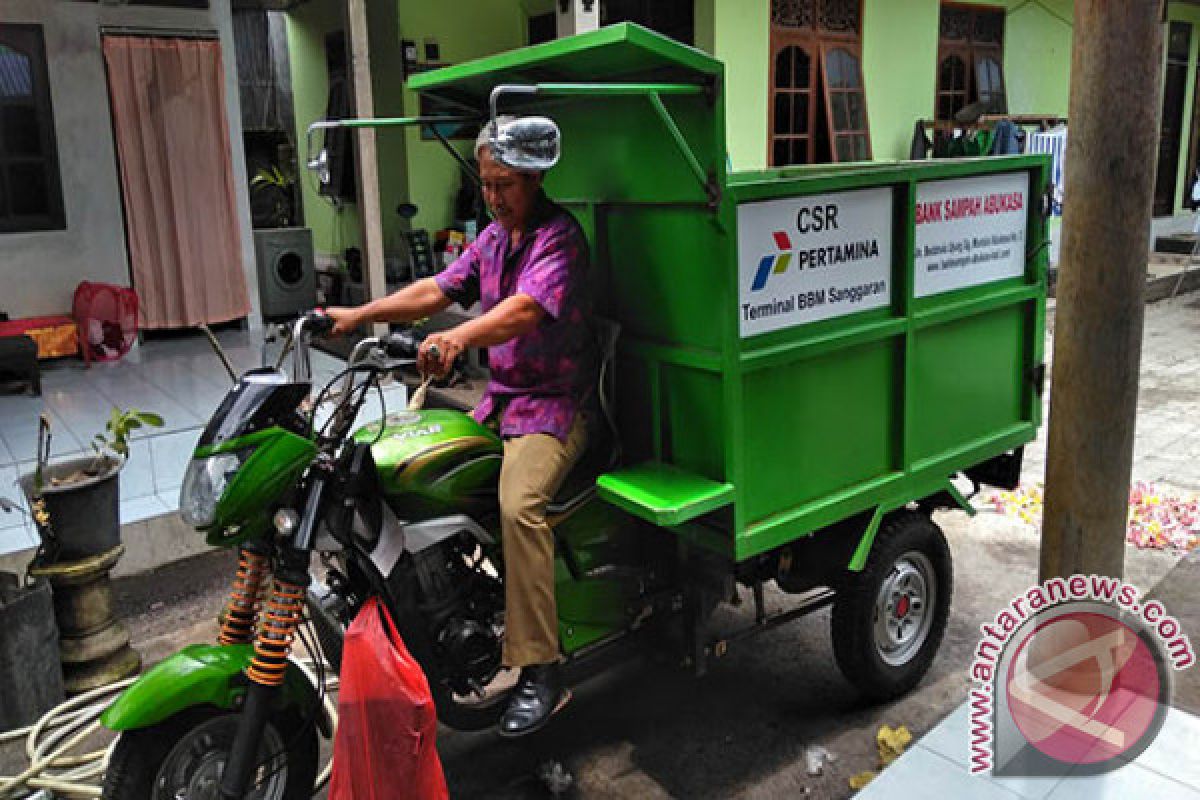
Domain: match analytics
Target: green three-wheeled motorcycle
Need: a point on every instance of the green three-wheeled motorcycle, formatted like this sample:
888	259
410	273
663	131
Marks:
779	400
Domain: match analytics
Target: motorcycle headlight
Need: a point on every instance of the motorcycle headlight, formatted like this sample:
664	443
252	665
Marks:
203	484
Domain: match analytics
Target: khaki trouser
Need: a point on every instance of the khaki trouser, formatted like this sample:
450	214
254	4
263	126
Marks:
534	468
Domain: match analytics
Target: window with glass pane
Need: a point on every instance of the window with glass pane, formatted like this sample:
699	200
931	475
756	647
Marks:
970	60
791	115
952	85
818	111
30	194
847	104
989	81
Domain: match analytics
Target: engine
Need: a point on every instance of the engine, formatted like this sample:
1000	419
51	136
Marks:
462	602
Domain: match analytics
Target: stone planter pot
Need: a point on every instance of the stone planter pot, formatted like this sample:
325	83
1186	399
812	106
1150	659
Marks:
85	515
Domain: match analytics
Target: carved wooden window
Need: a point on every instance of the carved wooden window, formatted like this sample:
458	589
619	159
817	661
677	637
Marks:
846	103
818	110
818	17
793	110
970	61
30	191
952	92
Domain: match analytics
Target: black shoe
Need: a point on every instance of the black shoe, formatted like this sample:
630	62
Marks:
539	694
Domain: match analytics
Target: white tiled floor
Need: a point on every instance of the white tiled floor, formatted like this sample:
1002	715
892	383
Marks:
180	379
936	766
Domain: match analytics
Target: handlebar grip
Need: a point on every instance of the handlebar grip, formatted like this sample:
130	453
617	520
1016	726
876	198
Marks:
403	344
317	322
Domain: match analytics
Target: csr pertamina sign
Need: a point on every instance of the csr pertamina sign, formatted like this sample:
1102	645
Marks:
802	259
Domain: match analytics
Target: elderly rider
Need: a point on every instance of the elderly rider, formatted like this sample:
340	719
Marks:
527	270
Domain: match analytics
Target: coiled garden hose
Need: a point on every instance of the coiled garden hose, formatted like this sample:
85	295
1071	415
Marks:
50	740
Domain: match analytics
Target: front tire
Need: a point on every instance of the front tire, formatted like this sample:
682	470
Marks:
184	756
888	620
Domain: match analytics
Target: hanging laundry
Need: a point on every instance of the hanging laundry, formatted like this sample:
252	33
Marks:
1054	142
921	145
1006	138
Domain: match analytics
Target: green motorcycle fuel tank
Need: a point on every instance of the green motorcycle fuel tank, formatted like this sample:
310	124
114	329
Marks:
435	460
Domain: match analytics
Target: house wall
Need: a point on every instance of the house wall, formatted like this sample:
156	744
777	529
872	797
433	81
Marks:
334	227
40	270
493	28
410	169
899	45
742	39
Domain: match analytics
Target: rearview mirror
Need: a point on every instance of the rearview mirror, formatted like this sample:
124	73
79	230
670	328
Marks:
526	143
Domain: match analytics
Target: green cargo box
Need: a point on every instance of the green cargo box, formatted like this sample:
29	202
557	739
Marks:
797	345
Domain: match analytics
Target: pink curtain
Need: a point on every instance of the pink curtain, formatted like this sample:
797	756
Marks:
168	105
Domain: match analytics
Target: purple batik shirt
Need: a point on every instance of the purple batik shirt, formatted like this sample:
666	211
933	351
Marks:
539	379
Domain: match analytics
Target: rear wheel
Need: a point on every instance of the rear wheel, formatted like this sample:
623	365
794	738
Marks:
183	757
888	620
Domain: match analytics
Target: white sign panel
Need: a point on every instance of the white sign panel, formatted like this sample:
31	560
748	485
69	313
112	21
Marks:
970	231
802	259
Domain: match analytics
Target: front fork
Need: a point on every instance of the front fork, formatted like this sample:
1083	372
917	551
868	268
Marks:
276	620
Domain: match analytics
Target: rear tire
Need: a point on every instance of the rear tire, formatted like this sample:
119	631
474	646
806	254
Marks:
889	619
185	754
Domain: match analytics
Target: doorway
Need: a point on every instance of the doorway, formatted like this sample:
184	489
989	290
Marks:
1179	40
175	161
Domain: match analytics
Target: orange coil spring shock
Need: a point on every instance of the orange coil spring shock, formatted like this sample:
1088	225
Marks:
241	611
281	617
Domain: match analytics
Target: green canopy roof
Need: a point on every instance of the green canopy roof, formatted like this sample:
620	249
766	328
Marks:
623	52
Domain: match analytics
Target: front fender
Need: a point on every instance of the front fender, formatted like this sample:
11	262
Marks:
204	674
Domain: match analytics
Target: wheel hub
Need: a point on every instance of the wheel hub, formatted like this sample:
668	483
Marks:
904	608
193	768
206	780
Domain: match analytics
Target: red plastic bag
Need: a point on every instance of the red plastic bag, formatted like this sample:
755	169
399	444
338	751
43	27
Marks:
384	748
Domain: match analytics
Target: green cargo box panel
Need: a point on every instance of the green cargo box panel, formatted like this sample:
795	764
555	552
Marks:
798	345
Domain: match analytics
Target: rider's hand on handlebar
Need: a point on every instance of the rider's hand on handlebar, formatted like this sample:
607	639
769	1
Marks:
437	353
345	320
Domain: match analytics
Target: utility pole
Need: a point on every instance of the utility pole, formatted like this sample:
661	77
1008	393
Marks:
365	159
1112	141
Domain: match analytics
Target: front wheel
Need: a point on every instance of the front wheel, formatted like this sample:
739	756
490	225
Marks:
888	620
182	758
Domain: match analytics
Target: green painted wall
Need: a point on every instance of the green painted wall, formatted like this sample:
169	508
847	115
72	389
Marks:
900	40
899	62
473	28
307	26
410	169
334	229
387	89
740	36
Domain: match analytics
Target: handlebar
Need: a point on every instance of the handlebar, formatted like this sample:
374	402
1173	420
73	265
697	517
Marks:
402	344
317	322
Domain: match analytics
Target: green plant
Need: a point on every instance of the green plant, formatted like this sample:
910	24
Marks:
272	176
115	439
278	183
110	445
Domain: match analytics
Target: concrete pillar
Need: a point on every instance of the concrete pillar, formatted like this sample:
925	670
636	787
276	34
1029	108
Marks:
576	16
365	158
1113	119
